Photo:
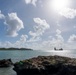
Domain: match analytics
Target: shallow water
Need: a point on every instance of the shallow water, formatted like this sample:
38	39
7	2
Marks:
21	55
7	71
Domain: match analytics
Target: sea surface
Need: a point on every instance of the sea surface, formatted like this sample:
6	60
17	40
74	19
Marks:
17	55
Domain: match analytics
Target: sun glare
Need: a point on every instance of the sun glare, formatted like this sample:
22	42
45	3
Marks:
59	4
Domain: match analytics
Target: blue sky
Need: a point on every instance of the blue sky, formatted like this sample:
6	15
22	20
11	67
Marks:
38	24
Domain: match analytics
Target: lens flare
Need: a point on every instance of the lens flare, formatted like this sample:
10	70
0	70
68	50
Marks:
59	4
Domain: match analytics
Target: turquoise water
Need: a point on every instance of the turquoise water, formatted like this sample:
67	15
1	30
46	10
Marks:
21	55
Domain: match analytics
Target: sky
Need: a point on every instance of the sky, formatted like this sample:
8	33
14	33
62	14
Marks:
38	24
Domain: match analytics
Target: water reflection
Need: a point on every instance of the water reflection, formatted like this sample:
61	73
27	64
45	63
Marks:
66	53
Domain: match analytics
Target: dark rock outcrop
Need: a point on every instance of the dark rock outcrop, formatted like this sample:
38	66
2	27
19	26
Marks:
5	63
46	65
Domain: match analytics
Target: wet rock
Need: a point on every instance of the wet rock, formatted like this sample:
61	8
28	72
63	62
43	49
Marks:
46	65
5	63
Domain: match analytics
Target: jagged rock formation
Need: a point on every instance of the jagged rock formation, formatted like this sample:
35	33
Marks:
46	65
5	63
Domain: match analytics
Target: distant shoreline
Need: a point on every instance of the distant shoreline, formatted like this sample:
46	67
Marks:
15	49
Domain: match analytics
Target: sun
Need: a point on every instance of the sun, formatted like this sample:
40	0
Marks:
59	4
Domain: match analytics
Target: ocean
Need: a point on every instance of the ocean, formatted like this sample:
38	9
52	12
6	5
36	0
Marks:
17	55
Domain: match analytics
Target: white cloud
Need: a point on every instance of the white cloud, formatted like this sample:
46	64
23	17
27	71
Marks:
6	44
40	28
23	38
28	1
34	2
41	22
31	2
22	41
19	43
58	31
58	35
58	41
14	24
72	38
68	13
33	39
1	15
48	44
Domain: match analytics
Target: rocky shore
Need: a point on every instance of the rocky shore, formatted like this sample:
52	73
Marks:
5	63
46	65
